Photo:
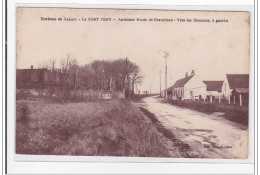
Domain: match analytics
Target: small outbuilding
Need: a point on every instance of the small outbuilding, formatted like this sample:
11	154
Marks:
214	90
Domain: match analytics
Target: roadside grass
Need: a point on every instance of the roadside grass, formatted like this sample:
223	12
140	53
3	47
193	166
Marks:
104	128
233	113
183	148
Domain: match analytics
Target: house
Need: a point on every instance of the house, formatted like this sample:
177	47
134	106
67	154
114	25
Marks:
31	78
187	88
236	88
162	94
37	78
214	89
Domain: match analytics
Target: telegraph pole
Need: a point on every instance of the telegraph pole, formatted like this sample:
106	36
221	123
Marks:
127	81
165	56
160	84
76	78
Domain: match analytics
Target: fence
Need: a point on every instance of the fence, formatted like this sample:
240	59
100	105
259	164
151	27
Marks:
215	100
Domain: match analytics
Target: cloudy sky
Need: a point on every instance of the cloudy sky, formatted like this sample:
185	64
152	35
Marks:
211	49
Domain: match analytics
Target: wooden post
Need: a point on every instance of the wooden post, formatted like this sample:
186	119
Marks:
234	99
228	99
240	99
219	100
210	98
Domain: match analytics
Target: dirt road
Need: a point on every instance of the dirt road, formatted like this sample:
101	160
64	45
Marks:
208	136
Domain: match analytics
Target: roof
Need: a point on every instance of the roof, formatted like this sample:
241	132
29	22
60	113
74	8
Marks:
242	90
214	85
30	70
180	83
238	80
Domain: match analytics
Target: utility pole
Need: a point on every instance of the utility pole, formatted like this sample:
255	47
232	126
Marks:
150	89
76	78
127	81
165	56
160	84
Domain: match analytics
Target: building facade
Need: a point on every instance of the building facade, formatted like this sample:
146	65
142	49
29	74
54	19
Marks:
236	88
188	88
214	89
31	78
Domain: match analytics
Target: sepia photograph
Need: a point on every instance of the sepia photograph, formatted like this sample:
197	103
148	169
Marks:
132	83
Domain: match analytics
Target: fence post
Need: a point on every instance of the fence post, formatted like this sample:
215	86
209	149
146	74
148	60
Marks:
240	99
210	98
234	99
228	99
219	100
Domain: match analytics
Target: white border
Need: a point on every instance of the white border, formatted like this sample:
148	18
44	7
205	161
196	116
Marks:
16	167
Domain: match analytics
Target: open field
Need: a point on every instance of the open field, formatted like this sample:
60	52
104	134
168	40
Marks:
104	128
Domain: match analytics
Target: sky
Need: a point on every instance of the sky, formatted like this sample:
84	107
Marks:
210	49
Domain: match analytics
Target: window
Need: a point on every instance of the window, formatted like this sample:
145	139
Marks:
34	76
45	76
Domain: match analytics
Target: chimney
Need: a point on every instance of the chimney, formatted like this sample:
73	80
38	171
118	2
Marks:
186	74
192	72
31	66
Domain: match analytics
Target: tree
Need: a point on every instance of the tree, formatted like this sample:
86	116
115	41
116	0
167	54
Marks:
97	75
69	73
136	76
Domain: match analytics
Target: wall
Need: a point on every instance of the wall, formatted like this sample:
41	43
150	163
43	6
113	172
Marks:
226	89
178	92
197	87
82	93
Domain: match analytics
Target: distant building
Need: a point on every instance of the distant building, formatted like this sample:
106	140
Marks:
236	88
31	78
37	78
187	88
214	89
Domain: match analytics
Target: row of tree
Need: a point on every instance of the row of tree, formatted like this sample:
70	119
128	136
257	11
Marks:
113	75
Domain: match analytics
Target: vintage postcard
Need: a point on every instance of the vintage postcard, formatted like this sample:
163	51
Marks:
132	83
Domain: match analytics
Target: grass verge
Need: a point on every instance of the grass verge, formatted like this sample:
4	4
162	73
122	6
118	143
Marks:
180	147
105	128
233	113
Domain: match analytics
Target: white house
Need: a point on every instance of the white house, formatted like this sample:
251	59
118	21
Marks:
215	89
236	88
234	81
188	88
